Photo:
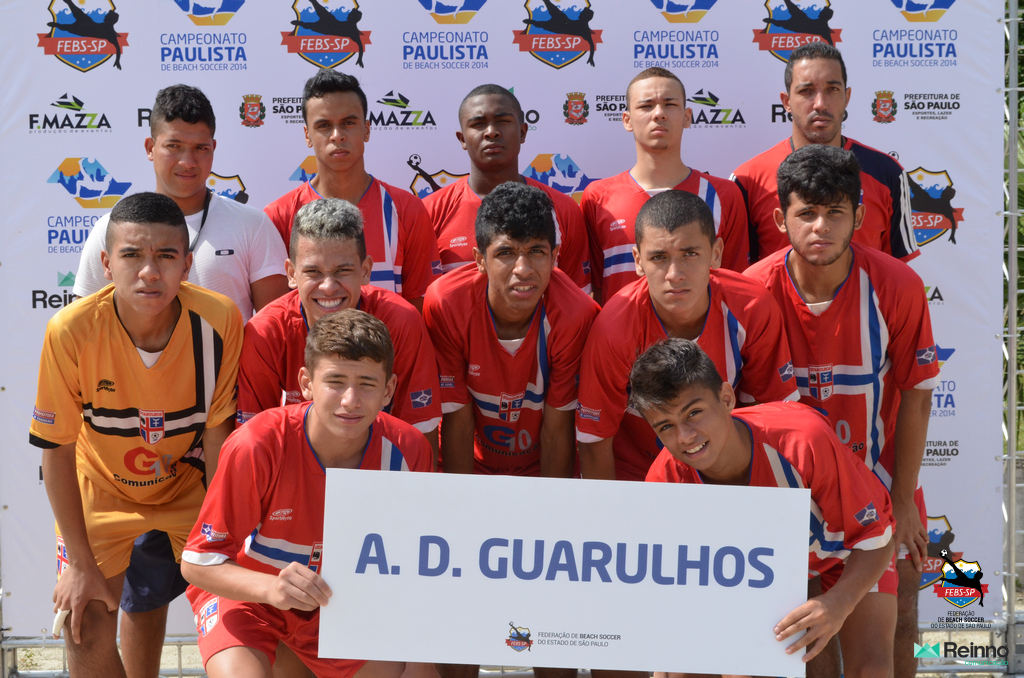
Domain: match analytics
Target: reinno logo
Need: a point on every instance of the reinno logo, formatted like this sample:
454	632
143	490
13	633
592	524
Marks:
326	37
424	183
679	13
559	172
70	117
931	201
558	32
923	11
791	24
89	183
449	12
518	638
960	584
207	13
83	36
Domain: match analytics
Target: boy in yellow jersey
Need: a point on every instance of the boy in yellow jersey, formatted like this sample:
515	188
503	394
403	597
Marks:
136	393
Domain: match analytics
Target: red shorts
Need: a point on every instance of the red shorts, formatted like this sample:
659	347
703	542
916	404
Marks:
223	624
887	583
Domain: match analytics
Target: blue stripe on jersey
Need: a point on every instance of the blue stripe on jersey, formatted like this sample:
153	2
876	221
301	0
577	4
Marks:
875	335
388	214
818	535
734	344
542	357
484	405
843	380
787	470
710	196
275	554
386	276
396	458
624	258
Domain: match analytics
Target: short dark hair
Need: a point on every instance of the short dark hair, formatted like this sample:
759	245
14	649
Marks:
819	175
181	102
350	334
668	368
811	51
670	210
654	72
328	219
516	210
496	90
327	81
146	208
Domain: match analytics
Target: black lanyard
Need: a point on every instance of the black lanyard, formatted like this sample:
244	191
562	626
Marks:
206	210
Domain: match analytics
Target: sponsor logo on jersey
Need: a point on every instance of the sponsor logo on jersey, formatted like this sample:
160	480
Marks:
44	416
252	111
281	514
210	13
960	584
884	107
560	172
230	187
923	11
518	638
792	23
421	399
399	115
819	381
63	562
576	109
926	356
459	241
208	616
151	425
786	372
425	183
144	462
212	535
867	515
558	34
83	33
305	171
447	381
89	183
931	202
105	385
242	417
474	370
450	49
70	118
588	413
932	105
679	13
709	112
326	36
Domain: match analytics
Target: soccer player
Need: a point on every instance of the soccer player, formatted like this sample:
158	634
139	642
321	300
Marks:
678	389
656	114
492	130
398	234
681	293
258	581
816	97
330	271
136	384
862	345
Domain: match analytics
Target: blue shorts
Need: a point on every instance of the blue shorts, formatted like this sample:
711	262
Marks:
153	578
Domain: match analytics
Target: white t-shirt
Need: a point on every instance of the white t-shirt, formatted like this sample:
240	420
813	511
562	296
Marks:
238	246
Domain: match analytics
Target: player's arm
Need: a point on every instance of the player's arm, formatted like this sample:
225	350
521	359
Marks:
457	441
557	443
295	587
911	434
597	459
265	290
213	440
824	615
82	581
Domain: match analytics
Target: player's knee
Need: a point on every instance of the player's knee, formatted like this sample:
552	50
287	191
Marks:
98	629
874	665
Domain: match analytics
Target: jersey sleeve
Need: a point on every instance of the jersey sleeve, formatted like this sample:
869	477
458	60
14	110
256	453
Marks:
266	251
733	228
451	361
567	353
224	403
260	381
419	259
767	365
90	278
902	241
417	398
591	219
574	255
912	347
57	416
604	378
665	469
743	183
280	215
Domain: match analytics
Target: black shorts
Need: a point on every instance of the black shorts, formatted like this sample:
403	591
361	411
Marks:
153	578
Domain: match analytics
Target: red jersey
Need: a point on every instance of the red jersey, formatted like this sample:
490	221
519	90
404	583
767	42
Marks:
507	389
265	507
794	447
610	207
453	209
274	348
884	192
886	347
743	335
397	232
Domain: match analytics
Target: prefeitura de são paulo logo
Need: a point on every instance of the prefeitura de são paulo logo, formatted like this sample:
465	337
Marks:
558	32
684	13
83	34
449	12
931	201
425	183
326	37
791	24
89	183
884	107
210	12
252	111
559	172
923	11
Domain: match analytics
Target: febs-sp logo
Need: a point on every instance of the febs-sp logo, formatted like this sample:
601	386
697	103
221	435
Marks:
960	584
558	33
923	11
559	172
679	13
85	36
931	201
89	183
305	171
425	183
518	638
792	23
326	37
207	13
448	12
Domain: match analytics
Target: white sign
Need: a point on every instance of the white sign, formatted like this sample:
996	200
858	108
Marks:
562	573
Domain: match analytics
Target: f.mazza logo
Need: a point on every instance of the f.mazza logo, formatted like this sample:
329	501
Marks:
399	113
70	117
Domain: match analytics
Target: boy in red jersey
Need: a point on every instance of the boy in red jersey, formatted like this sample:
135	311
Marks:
254	555
657	116
874	384
398	232
492	130
330	270
681	293
816	98
679	391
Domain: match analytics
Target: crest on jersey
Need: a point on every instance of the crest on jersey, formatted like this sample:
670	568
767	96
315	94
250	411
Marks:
940	538
316	555
867	515
931	204
62	557
425	183
786	372
510	406
151	425
208	617
819	381
792	23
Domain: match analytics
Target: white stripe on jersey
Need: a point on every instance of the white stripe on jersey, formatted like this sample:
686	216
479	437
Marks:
391	456
447	268
715	204
875	542
204	559
171	426
733	360
257	546
622	267
906	225
209	371
386	274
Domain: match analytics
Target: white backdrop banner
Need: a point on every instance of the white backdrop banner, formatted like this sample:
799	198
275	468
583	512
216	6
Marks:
927	87
591	573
